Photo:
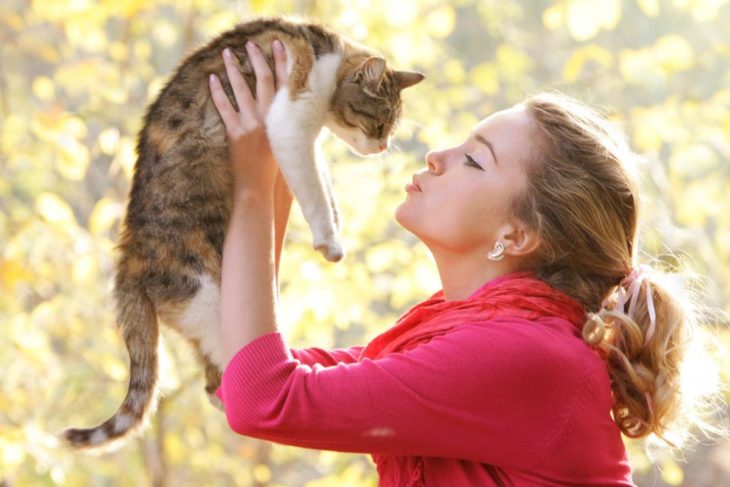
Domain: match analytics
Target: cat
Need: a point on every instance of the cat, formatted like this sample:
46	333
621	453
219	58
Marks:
179	203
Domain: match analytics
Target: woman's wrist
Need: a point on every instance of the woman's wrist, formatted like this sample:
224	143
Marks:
253	197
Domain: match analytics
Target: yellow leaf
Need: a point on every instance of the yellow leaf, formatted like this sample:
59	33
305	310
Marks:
637	66
12	20
118	51
553	17
114	368
14	272
126	157
583	23
104	215
174	448
217	22
142	49
85	35
128	8
262	473
109	141
13	130
581	56
59	10
26	336
165	33
154	87
454	72
379	258
649	7
440	22
687	161
484	76
699	199
512	62
84	270
587	17
672	473
11	454
74	160
43	88
54	210
673	53
401	13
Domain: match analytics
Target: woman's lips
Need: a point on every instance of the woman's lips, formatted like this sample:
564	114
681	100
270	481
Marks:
413	187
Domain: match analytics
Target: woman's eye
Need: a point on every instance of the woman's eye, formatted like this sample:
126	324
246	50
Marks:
471	162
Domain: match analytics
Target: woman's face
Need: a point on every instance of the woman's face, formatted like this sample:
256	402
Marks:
461	201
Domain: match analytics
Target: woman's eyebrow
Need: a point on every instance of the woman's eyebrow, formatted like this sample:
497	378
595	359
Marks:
484	141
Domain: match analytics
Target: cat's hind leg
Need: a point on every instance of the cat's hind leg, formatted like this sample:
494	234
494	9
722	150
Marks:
198	320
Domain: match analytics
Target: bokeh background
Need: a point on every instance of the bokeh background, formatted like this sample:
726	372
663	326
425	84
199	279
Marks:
75	77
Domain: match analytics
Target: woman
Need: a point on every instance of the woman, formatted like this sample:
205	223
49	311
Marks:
545	344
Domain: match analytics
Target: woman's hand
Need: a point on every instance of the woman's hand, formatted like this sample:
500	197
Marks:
252	162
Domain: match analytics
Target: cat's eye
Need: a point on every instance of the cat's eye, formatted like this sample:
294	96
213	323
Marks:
471	162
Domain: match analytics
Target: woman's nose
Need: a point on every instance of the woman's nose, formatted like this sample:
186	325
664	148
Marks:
434	160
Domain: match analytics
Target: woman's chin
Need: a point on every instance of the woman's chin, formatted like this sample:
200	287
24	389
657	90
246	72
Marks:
405	219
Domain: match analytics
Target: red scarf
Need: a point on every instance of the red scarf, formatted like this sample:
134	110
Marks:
518	295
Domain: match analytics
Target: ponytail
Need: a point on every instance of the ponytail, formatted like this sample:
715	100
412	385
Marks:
644	331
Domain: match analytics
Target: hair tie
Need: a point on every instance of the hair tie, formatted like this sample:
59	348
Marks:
628	291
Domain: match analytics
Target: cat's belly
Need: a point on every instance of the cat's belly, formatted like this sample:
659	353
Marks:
199	319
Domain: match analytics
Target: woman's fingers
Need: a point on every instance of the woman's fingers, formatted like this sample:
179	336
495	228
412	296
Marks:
264	76
280	64
241	91
250	110
221	102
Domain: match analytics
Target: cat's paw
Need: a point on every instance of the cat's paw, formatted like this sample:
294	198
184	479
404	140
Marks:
330	249
216	402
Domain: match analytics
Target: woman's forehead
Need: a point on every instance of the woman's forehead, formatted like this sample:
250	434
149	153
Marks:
509	133
515	117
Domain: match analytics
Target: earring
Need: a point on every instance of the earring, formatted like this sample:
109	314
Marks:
498	252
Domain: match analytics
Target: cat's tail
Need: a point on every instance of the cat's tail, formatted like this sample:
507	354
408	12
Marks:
138	321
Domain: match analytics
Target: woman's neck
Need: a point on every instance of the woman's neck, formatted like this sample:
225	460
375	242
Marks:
461	274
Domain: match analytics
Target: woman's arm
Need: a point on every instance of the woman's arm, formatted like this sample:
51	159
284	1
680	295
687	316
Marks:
282	208
499	392
248	285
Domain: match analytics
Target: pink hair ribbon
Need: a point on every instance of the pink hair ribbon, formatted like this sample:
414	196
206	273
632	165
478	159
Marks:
633	282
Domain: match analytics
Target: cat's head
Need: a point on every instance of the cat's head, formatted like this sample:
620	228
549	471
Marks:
366	105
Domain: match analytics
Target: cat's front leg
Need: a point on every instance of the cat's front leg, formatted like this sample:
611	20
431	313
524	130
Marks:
292	128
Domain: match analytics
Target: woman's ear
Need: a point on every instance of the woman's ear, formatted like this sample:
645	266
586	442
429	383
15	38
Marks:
518	240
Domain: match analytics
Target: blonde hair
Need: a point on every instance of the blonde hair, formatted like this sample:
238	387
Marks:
582	199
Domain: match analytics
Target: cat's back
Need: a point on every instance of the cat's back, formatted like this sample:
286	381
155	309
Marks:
184	105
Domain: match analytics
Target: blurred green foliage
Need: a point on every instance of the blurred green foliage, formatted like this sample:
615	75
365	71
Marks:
75	77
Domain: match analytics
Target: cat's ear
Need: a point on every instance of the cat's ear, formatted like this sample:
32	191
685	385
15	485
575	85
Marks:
371	72
407	78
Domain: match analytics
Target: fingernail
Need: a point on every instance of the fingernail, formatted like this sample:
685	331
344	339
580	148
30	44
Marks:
277	45
250	44
227	52
212	78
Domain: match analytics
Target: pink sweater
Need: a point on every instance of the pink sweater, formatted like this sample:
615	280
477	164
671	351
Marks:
506	402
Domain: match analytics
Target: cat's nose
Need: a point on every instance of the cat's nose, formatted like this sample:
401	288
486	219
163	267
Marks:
383	146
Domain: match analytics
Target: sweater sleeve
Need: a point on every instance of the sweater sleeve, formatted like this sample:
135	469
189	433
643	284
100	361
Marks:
315	355
478	393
